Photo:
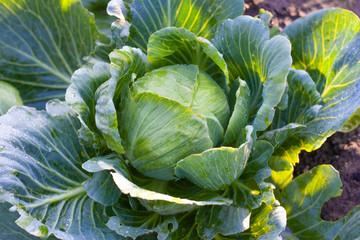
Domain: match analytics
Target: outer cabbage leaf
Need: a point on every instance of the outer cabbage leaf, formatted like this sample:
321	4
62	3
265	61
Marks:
102	189
41	175
226	220
322	116
80	96
325	45
216	168
266	222
41	45
155	200
344	77
303	199
9	97
126	64
318	38
8	228
352	123
247	192
262	62
101	84
133	223
239	99
139	19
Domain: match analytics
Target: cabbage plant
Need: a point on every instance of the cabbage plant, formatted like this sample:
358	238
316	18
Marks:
186	126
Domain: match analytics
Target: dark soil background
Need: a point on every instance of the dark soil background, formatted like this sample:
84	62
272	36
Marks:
342	150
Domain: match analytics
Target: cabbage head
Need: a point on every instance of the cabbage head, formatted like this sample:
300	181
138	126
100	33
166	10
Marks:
183	120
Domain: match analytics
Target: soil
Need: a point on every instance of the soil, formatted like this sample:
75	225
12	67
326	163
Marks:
342	150
286	11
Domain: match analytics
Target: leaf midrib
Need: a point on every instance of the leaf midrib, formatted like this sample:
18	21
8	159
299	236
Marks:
58	197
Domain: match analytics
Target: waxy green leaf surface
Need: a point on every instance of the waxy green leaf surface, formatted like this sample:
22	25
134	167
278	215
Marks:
163	202
303	199
225	220
8	228
326	45
125	64
316	117
80	96
41	176
262	62
42	44
216	168
140	18
135	223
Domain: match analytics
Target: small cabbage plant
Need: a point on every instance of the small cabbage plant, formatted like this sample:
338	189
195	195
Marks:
184	122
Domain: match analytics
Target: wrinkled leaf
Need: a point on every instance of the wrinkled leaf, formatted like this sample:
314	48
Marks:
303	199
41	175
139	19
124	63
162	203
8	228
80	96
216	168
325	44
225	220
322	116
266	222
262	62
134	223
42	44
